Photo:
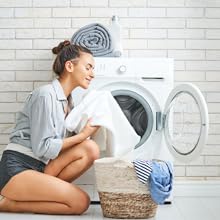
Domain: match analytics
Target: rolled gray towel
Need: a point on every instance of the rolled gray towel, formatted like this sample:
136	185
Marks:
96	38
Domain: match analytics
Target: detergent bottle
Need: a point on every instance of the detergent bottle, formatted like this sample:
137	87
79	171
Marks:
115	30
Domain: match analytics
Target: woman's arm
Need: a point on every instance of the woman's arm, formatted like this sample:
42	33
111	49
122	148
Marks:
87	131
44	140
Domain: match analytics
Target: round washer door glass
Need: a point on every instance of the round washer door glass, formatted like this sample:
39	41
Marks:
137	111
185	122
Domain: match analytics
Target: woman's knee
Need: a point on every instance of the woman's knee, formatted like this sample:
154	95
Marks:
92	150
83	202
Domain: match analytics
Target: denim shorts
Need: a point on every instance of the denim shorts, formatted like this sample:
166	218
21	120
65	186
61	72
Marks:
14	162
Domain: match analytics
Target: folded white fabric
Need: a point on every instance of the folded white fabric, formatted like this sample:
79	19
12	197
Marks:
116	135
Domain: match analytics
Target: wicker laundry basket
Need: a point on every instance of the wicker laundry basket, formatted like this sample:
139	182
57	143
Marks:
121	194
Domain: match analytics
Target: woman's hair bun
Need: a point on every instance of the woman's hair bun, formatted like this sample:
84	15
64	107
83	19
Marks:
61	45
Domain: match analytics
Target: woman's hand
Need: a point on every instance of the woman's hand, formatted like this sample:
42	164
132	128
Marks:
89	130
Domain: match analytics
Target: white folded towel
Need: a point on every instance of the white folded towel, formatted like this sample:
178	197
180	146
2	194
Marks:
115	135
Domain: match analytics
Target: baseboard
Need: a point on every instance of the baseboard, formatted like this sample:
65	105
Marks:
197	188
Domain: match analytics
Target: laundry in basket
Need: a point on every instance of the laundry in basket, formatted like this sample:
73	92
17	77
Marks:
121	194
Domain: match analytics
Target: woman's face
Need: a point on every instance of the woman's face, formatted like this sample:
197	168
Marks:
83	70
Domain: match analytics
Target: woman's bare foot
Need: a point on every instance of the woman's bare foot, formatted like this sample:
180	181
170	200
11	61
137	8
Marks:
5	204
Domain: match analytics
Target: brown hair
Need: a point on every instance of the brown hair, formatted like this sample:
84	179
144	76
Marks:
66	51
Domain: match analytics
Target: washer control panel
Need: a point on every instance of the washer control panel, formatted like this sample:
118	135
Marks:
144	68
114	67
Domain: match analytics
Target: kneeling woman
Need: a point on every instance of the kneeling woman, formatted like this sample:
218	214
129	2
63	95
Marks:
40	163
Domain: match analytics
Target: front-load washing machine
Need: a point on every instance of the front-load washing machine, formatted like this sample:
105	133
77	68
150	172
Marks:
172	122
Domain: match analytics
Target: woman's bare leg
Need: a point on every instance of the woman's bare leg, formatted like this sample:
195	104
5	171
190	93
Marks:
32	191
71	163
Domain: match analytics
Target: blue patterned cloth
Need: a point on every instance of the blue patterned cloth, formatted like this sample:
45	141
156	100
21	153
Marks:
159	174
161	181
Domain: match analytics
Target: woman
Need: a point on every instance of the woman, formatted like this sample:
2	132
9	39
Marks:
39	164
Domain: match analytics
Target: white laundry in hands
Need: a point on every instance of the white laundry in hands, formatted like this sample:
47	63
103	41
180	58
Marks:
115	135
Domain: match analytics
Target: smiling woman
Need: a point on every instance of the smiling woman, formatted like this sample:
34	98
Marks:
40	162
77	61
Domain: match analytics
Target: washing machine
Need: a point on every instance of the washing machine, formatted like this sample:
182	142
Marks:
171	121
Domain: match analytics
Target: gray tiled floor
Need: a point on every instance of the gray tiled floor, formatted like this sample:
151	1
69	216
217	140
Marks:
182	208
191	202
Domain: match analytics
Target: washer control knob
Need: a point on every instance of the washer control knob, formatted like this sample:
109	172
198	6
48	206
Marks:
122	69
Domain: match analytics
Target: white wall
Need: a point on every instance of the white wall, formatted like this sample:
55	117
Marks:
188	30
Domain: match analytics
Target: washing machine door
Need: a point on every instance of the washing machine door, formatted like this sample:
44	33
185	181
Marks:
185	122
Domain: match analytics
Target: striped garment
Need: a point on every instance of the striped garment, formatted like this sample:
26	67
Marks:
143	169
